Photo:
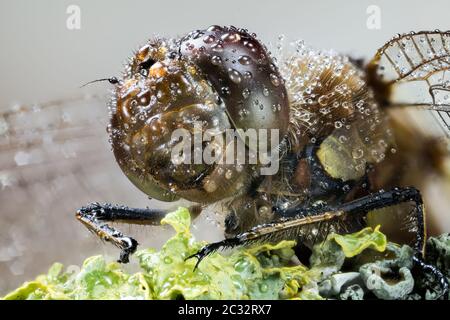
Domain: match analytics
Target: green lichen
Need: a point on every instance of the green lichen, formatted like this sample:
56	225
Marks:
353	266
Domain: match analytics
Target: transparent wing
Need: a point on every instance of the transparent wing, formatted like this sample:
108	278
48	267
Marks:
414	71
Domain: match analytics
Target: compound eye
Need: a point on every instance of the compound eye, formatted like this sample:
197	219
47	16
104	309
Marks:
244	75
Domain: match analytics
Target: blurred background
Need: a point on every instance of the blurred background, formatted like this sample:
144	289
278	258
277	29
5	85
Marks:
54	153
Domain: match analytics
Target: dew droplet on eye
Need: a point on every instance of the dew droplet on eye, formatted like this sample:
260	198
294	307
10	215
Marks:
216	60
214	28
248	75
231	37
249	44
244	60
243	113
274	79
276	107
209	39
234	76
217	47
225	90
246	93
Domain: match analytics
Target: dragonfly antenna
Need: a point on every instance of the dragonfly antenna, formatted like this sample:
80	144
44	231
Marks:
112	80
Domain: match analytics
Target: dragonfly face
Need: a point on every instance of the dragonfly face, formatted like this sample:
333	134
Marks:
209	81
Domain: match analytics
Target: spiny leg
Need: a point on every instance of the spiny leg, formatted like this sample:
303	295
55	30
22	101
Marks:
94	215
275	231
298	217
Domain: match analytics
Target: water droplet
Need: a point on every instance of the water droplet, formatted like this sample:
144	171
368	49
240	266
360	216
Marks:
214	28
217	47
263	287
276	107
228	174
235	76
246	93
248	75
357	153
274	79
226	90
241	265
265	92
209	39
243	113
168	260
231	37
245	60
216	60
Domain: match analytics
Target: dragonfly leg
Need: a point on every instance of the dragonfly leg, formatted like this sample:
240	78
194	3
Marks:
95	215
